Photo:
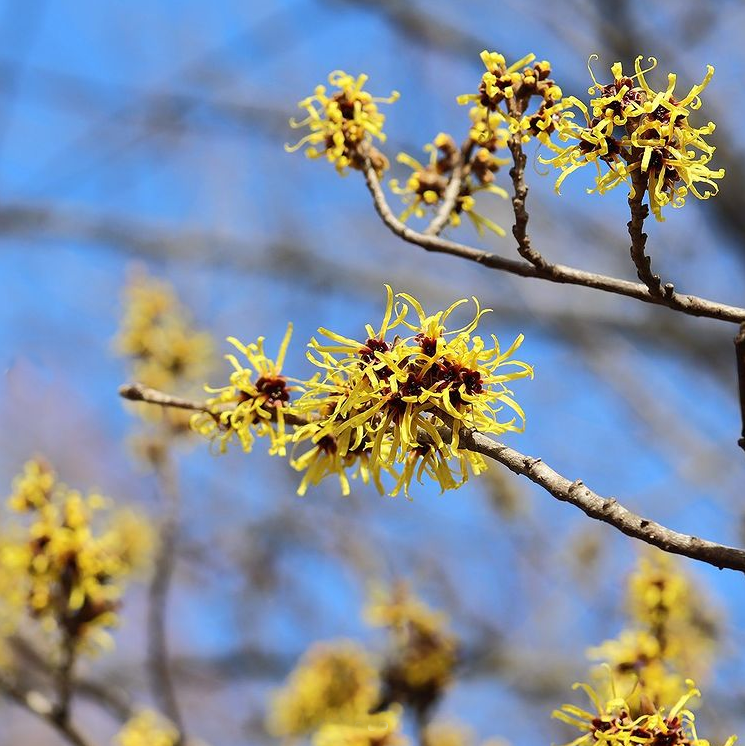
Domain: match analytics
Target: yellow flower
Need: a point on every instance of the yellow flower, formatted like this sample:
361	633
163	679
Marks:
147	728
611	722
379	729
423	651
505	96
388	399
247	408
343	123
631	127
426	186
66	573
332	681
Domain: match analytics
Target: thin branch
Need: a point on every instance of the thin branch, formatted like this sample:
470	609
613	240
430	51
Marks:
158	659
559	273
606	509
43	708
639	213
740	352
520	189
452	191
63	678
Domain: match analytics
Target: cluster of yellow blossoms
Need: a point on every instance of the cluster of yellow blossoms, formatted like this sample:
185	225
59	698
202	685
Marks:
669	637
59	569
642	136
164	352
631	132
381	405
343	696
343	123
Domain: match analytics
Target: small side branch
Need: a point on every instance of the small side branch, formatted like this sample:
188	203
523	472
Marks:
138	392
740	352
639	213
452	192
520	194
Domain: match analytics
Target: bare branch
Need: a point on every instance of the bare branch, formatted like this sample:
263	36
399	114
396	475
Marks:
639	213
559	273
606	509
138	392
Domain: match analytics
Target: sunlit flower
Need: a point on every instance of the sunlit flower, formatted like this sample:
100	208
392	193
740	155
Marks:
611	722
253	403
332	681
506	94
388	398
425	188
147	728
342	122
630	127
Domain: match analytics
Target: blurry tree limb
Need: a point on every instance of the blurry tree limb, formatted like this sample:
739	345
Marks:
158	661
740	352
606	509
688	304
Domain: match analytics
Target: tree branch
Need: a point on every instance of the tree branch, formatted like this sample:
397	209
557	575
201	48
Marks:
559	273
606	509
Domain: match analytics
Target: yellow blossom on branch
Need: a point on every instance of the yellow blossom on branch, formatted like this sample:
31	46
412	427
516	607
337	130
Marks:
147	728
253	403
343	123
68	574
612	724
631	127
378	729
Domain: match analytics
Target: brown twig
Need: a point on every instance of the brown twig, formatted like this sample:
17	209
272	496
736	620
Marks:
452	192
639	213
740	352
606	509
63	678
520	194
688	304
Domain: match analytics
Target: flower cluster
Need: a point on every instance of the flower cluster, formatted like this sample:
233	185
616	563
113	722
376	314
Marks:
164	351
379	406
612	723
507	95
425	189
378	729
148	728
343	123
423	652
332	682
642	136
670	636
65	574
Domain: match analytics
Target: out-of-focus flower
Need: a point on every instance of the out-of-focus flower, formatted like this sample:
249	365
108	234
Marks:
630	127
611	723
382	401
253	403
343	123
423	652
147	728
380	729
332	682
425	188
67	574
